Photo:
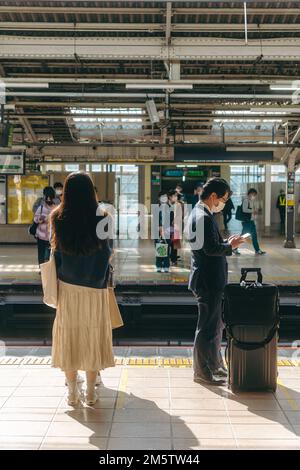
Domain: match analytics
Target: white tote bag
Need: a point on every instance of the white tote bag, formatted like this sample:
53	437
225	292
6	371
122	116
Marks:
115	315
161	250
49	282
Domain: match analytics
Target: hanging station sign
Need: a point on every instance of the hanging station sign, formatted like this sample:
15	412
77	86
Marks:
12	163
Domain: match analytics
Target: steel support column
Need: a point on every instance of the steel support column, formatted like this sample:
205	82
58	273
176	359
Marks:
290	202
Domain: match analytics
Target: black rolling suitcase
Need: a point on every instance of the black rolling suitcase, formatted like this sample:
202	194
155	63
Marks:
251	318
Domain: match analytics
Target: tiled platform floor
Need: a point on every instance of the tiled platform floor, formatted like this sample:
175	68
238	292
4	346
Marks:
144	408
135	263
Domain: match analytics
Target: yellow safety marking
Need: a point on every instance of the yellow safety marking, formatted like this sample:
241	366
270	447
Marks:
290	400
286	362
131	361
122	389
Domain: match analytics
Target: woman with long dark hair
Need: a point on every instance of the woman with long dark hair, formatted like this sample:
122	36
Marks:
82	330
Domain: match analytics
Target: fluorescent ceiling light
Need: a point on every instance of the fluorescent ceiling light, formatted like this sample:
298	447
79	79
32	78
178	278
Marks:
186	166
285	87
152	111
247	149
175	86
275	110
10	107
26	85
261	119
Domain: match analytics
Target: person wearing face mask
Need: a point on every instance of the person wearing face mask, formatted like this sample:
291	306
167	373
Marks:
248	224
41	217
208	278
58	188
163	262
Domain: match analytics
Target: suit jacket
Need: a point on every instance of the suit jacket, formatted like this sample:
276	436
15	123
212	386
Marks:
209	270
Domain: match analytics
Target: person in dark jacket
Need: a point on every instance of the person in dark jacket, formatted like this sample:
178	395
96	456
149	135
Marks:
208	278
163	262
281	206
227	212
197	193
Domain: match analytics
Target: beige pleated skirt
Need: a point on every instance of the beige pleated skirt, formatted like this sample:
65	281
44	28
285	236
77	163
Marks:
82	329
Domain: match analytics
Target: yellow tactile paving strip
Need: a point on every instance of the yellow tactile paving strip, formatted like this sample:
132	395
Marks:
125	361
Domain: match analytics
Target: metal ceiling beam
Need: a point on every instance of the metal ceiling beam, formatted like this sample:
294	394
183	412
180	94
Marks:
294	140
149	81
167	27
120	94
157	144
82	10
145	48
142	10
30	134
202	118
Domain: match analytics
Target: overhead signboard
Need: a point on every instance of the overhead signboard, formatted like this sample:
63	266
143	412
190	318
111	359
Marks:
186	153
12	163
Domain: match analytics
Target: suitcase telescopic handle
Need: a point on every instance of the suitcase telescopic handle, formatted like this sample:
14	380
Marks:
245	271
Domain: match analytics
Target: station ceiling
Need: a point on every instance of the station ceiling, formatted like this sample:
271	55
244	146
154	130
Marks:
81	72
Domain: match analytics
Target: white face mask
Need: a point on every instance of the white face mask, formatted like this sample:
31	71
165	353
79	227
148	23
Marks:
219	207
58	192
163	199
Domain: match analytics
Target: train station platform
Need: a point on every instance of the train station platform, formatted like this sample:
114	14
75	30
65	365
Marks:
148	401
134	263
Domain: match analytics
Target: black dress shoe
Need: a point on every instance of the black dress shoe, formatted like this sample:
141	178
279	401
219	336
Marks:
208	378
221	372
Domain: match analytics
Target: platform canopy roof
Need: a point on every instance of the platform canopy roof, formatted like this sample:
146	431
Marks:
81	72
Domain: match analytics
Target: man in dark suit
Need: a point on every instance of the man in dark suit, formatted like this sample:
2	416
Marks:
208	278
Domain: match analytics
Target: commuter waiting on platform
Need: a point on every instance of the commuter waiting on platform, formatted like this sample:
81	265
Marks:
227	213
58	188
248	223
281	206
180	193
41	218
82	330
208	278
197	193
175	241
163	244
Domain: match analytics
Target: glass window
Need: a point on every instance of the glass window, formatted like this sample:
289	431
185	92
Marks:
278	173
2	200
23	191
129	190
72	167
241	176
96	167
52	167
